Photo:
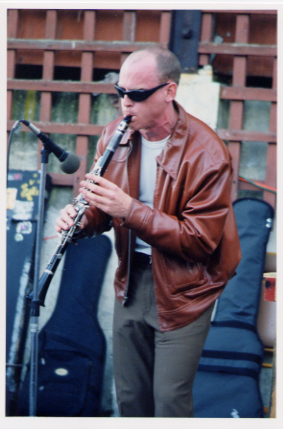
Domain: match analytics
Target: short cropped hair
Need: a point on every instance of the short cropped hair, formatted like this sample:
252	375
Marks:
168	65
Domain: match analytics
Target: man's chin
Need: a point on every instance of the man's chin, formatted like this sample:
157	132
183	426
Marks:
134	124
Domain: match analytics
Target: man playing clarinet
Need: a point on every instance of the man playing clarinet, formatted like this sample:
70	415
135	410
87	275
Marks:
166	193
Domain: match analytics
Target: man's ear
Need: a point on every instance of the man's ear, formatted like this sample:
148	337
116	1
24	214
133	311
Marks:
171	91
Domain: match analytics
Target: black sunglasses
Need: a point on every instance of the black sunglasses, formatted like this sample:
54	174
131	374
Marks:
138	94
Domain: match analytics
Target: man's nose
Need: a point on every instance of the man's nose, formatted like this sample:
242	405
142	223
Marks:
127	101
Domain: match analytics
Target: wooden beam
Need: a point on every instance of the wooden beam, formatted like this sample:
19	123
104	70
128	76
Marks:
244	93
60	179
76	129
47	73
87	61
11	64
77	45
246	135
129	25
51	24
89	25
235	151
243	12
206	34
81	151
237	49
13	23
60	86
12	27
165	23
271	159
271	173
237	106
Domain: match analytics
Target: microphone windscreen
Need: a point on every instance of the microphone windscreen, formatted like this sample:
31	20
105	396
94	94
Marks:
71	164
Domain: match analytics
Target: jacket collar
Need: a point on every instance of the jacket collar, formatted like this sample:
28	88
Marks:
172	154
127	137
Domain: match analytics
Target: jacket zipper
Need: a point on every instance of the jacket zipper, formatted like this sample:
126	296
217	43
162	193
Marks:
129	237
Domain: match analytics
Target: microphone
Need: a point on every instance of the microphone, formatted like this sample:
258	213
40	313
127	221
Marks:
70	161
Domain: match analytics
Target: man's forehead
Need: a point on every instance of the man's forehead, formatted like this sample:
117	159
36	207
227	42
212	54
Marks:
141	56
140	59
138	68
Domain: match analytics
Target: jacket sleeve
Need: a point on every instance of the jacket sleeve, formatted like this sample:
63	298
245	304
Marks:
196	232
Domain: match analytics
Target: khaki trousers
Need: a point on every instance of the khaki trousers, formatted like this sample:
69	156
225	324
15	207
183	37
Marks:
153	371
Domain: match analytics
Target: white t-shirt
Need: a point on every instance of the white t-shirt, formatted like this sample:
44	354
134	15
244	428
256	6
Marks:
149	151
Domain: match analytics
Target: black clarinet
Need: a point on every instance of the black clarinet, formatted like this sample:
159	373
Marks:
80	206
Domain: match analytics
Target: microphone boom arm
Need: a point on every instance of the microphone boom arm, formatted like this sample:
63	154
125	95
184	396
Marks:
70	161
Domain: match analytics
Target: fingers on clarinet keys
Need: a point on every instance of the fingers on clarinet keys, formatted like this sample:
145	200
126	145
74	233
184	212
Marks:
63	225
67	215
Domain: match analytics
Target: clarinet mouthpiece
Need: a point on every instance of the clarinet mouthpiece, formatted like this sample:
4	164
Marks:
128	119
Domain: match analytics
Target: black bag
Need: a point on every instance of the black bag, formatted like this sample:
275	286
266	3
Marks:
21	226
227	380
72	345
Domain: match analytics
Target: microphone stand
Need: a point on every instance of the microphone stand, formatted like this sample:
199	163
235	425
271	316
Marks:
35	303
70	167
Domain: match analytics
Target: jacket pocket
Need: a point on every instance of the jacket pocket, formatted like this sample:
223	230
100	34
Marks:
183	276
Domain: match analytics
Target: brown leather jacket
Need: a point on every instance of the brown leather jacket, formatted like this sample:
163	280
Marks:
192	230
